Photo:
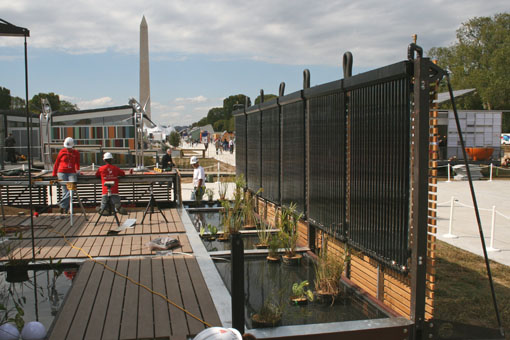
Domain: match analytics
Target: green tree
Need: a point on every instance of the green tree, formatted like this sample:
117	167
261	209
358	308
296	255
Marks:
231	124
228	104
479	59
34	104
17	103
220	125
175	138
201	122
66	106
214	115
5	98
267	97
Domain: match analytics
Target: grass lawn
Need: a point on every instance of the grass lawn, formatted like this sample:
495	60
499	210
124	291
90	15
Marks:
463	295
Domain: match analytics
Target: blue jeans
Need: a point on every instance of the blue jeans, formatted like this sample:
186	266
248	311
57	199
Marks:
68	177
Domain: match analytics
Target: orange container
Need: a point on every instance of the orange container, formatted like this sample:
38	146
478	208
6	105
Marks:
480	154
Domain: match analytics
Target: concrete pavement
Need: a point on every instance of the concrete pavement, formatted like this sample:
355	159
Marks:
464	226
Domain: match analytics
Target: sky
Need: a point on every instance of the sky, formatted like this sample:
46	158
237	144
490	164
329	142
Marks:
204	51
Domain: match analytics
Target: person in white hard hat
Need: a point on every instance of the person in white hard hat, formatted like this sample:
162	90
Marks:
198	179
110	173
67	168
220	333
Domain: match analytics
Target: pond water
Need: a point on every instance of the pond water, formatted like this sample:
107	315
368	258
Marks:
266	281
41	294
203	219
249	242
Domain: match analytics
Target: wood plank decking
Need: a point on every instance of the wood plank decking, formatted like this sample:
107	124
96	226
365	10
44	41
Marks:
49	243
104	305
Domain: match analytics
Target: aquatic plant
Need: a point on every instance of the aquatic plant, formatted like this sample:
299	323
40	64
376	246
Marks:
210	193
301	292
328	271
222	190
273	247
263	232
269	315
288	229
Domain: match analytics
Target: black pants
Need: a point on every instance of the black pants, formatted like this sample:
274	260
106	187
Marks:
11	155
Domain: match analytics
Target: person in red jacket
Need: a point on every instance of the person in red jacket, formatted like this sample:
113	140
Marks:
110	173
67	168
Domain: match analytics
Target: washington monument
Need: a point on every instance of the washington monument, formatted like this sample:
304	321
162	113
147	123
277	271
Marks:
145	84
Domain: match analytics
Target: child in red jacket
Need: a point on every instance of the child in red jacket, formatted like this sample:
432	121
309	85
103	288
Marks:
110	173
67	168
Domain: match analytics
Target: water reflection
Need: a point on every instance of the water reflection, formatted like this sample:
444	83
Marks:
266	281
41	294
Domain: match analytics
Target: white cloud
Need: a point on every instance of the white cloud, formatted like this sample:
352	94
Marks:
94	103
292	32
197	99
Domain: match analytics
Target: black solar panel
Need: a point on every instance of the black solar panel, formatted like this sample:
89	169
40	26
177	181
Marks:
271	154
293	155
327	162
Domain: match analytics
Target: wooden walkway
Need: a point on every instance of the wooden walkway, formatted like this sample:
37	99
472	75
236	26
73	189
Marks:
49	243
104	305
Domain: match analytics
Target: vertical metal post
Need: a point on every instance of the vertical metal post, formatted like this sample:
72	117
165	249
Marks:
450	224
29	155
420	192
493	227
449	168
237	281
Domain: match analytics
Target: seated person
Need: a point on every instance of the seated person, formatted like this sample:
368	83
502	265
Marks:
110	173
166	161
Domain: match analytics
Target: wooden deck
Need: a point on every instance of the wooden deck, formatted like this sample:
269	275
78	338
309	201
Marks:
50	244
104	305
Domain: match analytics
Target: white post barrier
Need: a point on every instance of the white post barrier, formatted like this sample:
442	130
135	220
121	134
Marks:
450	225
493	226
490	180
448	172
218	178
93	167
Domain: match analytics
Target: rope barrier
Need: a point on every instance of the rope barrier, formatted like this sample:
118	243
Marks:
493	222
130	279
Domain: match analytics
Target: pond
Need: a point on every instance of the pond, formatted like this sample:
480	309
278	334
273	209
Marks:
203	219
266	282
41	294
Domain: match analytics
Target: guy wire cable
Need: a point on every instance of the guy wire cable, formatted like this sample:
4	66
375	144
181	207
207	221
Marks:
475	204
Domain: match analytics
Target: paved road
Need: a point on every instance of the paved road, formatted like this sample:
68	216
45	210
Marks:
488	194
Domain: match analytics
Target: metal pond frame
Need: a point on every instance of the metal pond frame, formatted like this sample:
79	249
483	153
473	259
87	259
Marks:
406	86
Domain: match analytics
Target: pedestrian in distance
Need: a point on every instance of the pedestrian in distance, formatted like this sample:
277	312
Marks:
166	161
67	169
217	145
110	173
10	142
198	179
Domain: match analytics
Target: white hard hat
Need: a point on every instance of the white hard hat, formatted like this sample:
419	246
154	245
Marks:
193	160
219	333
107	155
68	142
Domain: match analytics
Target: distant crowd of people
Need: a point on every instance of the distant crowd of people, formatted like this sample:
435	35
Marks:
224	146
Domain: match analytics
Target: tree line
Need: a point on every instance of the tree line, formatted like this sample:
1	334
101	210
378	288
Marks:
479	59
221	118
8	102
